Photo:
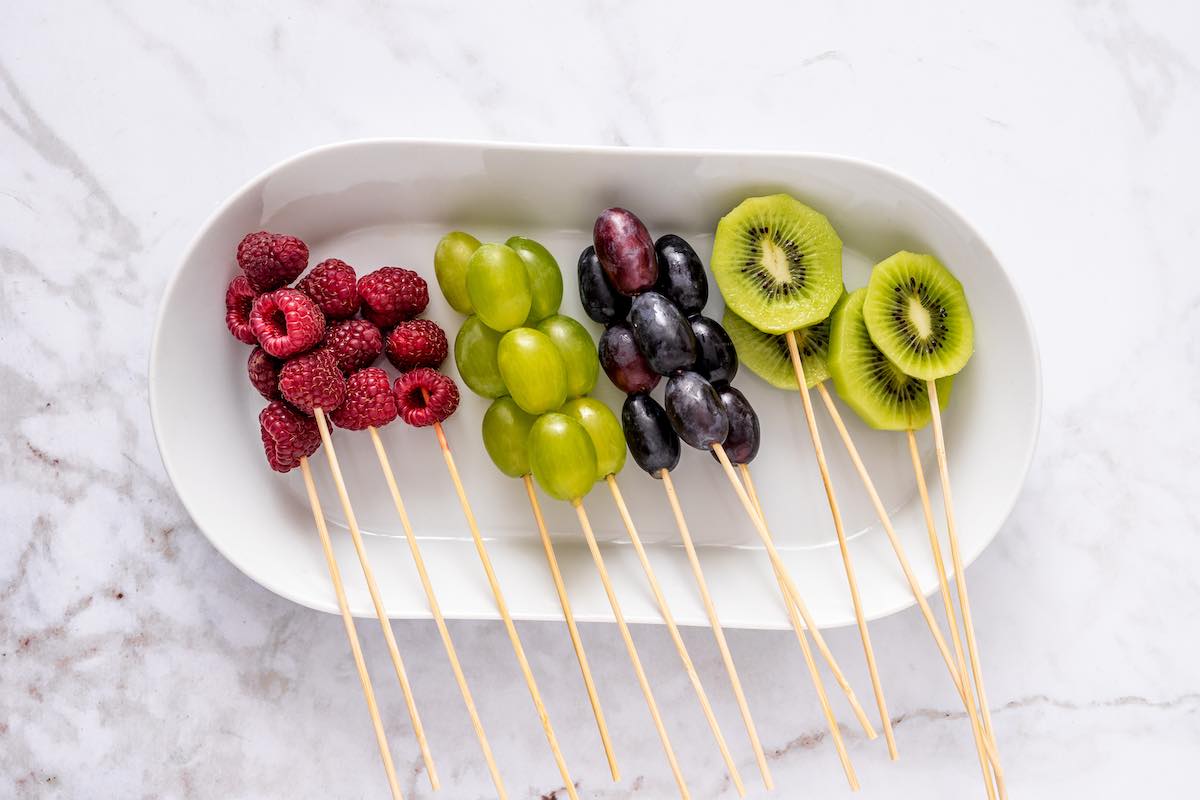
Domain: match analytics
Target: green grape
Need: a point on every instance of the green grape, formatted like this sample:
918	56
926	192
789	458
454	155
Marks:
605	431
562	456
475	355
533	370
506	436
450	261
545	278
578	351
498	285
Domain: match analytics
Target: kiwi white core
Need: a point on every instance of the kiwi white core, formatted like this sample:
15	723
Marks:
918	315
775	261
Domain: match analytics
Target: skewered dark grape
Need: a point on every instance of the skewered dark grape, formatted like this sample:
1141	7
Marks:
741	445
696	411
625	250
716	357
662	333
600	300
624	364
680	274
652	442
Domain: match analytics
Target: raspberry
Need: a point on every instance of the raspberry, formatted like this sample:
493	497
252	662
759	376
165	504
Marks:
271	260
264	373
332	286
239	299
313	381
416	343
369	401
355	343
425	396
286	322
287	436
391	294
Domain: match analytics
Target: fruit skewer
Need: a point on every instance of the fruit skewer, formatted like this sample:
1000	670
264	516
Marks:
887	399
289	438
779	266
368	405
432	408
505	424
917	315
830	719
564	462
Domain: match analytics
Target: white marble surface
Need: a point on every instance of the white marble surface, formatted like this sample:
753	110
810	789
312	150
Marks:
135	662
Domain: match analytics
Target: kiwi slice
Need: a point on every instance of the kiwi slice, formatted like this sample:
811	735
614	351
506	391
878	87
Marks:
917	315
766	354
778	263
878	390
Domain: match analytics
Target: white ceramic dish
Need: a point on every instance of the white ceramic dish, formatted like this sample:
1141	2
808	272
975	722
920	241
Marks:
382	202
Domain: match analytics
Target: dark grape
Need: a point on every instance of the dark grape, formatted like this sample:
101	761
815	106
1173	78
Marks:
652	442
680	274
716	357
600	300
624	364
625	250
695	410
741	445
662	333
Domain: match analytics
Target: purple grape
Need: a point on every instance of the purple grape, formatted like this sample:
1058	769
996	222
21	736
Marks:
741	445
625	250
716	357
662	333
623	363
696	411
648	434
600	300
680	274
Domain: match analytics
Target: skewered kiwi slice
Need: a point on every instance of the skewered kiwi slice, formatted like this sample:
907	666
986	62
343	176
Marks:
917	315
778	263
766	354
878	390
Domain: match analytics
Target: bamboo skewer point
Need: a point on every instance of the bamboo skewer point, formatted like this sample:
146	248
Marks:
864	634
360	664
376	599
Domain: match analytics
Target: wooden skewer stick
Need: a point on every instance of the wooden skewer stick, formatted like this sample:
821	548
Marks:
914	585
718	632
834	729
351	631
436	609
385	623
576	641
944	586
789	589
669	619
960	578
864	634
598	558
502	607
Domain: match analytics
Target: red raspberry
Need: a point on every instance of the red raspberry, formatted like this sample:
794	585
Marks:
416	343
271	260
332	286
239	299
355	343
287	436
391	295
425	396
286	322
264	373
313	381
369	401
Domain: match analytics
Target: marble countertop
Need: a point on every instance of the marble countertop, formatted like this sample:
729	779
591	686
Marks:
136	662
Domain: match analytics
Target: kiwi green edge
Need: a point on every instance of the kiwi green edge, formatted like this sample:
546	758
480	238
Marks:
767	356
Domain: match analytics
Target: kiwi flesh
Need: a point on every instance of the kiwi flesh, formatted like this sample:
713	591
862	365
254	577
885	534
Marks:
917	314
879	391
767	356
778	263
